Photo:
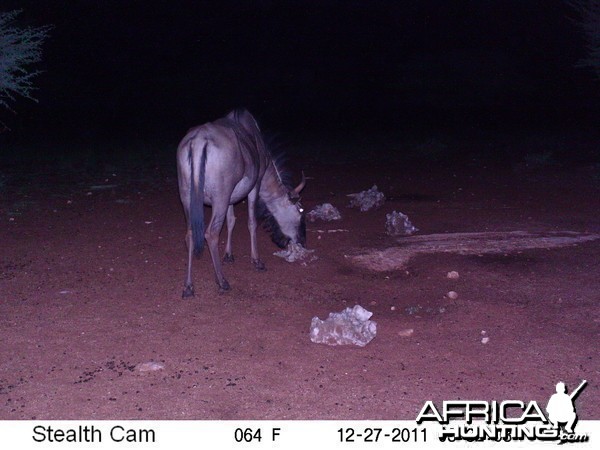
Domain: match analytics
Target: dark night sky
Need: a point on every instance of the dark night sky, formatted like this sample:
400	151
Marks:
142	69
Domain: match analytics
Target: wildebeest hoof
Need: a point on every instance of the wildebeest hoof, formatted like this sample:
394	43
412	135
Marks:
228	258
188	292
259	265
224	286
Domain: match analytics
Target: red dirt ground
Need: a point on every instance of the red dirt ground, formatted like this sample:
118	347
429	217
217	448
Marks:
91	282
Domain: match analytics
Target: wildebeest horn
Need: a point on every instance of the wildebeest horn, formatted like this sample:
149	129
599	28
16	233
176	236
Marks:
298	189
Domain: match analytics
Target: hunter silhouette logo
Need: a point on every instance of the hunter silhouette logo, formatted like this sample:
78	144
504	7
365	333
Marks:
508	420
561	407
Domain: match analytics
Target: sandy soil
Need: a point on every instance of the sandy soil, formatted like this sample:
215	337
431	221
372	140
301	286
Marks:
91	280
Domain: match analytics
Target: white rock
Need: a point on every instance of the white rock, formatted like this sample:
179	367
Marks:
398	224
351	326
295	252
326	212
367	200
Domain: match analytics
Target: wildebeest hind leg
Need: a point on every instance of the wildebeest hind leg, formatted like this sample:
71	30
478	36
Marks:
212	239
188	290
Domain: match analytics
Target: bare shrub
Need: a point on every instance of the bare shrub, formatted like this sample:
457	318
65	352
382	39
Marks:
589	22
20	49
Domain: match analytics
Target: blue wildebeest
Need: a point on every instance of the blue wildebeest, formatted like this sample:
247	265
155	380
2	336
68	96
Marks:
221	163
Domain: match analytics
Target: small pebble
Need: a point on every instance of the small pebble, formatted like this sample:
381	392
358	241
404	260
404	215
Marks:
150	366
452	295
406	332
485	340
453	275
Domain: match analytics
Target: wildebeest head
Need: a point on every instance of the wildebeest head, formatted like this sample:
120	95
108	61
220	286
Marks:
285	218
294	198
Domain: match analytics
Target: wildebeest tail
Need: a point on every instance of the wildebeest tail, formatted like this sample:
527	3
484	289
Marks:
198	166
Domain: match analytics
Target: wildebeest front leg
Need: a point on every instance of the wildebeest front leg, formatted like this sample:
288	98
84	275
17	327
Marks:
188	290
212	239
252	224
228	258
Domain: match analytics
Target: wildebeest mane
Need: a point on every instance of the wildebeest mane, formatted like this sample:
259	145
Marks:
270	224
